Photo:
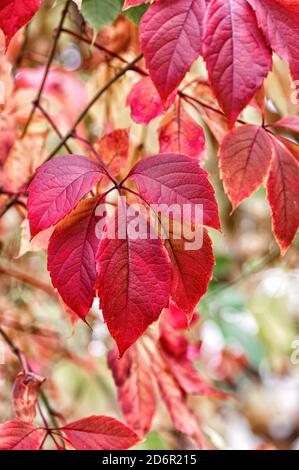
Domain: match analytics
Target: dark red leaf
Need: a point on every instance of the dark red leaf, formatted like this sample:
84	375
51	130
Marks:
142	269
132	376
71	257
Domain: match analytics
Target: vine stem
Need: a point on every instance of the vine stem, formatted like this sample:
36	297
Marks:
53	125
99	160
47	69
24	277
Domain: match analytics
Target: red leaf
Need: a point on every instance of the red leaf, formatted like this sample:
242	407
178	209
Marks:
176	179
245	157
145	101
25	394
133	3
279	21
191	272
166	31
19	435
189	379
71	257
289	122
143	274
173	397
132	376
178	132
231	41
113	149
57	188
283	195
16	13
100	433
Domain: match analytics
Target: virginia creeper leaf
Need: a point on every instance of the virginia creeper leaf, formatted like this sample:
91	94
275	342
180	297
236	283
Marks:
25	394
71	257
176	179
245	156
288	122
283	195
133	3
191	272
174	399
113	149
19	435
279	21
171	41
143	274
189	378
178	132
57	188
231	41
132	376
14	14
145	101
100	433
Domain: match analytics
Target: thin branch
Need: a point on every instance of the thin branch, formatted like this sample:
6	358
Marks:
98	95
101	48
48	65
53	125
24	277
99	160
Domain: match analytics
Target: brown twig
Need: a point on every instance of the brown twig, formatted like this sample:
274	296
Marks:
26	278
48	65
53	125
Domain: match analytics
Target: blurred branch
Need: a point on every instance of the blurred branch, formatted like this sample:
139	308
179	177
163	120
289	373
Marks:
26	278
53	125
48	65
263	263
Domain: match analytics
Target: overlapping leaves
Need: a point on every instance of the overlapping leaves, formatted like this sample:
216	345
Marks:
83	259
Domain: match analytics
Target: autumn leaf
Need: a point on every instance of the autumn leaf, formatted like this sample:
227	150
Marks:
19	435
176	179
71	257
57	188
25	394
192	271
145	101
245	157
179	132
132	376
14	14
143	272
231	41
166	29
99	433
283	195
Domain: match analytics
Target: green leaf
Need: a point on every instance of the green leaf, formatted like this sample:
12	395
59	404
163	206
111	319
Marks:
135	14
100	13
